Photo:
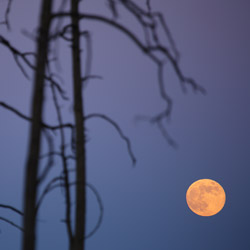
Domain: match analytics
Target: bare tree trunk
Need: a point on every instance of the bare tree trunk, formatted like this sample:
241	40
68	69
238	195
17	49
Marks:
31	171
80	212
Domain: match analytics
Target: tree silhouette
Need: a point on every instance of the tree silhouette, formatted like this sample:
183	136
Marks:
52	27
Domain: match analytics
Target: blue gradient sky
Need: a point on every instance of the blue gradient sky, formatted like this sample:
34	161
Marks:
145	207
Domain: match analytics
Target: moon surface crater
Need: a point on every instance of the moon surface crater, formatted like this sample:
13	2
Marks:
205	197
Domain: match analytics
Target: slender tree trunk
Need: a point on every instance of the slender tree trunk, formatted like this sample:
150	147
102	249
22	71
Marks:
31	171
80	212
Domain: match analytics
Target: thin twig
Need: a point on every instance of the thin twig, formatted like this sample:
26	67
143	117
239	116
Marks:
118	129
50	161
65	165
11	223
100	203
6	15
11	208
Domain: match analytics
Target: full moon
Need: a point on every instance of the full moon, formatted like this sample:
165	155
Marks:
205	197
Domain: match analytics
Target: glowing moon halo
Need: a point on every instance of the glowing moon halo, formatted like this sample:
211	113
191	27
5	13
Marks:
206	197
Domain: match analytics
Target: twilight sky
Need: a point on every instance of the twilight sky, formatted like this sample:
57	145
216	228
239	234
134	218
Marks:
145	206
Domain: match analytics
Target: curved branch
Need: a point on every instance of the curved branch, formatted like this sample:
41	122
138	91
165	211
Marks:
146	49
11	223
100	203
118	129
17	54
47	189
165	134
6	14
12	208
24	56
53	185
112	23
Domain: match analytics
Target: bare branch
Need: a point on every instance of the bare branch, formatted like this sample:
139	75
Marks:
50	158
6	15
88	62
163	93
148	23
11	223
151	23
24	56
15	111
17	54
49	187
61	91
112	6
65	165
112	23
52	185
165	134
183	79
148	50
168	34
11	208
18	113
86	78
63	33
100	203
68	157
148	4
118	129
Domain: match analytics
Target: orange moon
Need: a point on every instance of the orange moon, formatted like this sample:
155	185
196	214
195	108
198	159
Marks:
206	197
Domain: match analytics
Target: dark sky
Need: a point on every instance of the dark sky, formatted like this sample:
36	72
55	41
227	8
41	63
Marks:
145	206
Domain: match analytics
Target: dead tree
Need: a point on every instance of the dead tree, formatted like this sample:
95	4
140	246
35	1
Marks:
150	45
